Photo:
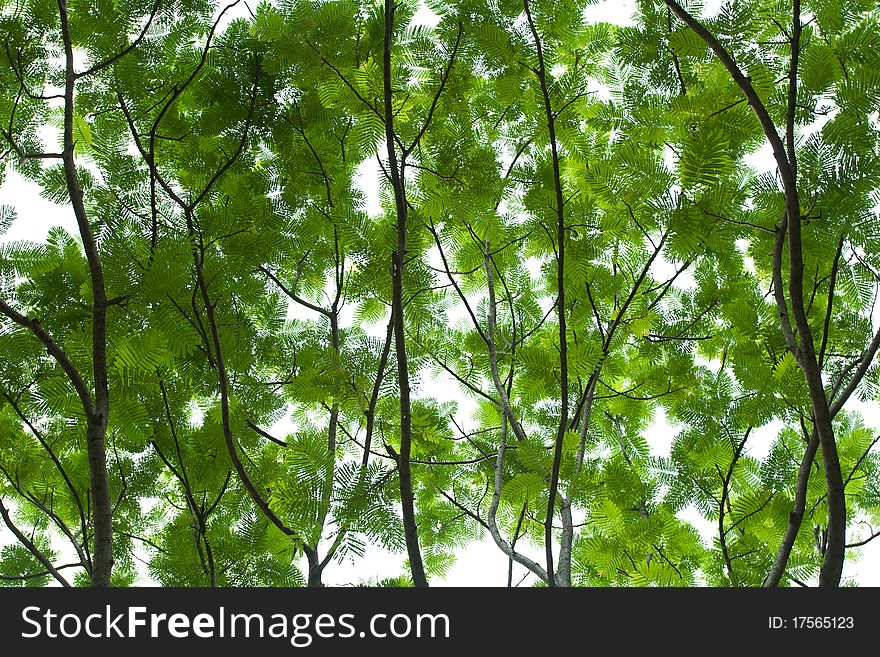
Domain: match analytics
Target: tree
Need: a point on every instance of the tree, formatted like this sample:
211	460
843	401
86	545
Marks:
799	338
34	34
577	246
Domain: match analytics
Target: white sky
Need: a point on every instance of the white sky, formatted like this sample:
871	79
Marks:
480	563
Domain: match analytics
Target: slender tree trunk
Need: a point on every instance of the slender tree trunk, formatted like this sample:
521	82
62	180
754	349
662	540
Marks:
805	351
316	568
563	573
835	550
560	304
398	260
796	517
374	396
97	420
491	522
102	560
212	565
508	419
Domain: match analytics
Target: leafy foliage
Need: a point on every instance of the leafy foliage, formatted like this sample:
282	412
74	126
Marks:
224	162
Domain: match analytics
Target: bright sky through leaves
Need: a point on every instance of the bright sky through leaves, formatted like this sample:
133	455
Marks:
244	202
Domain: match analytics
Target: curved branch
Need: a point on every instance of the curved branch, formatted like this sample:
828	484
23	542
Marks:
134	44
33	549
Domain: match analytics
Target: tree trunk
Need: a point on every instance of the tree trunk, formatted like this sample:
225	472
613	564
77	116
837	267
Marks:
805	352
397	172
316	569
98	419
560	302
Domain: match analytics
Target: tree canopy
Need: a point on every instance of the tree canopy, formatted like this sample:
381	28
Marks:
237	370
